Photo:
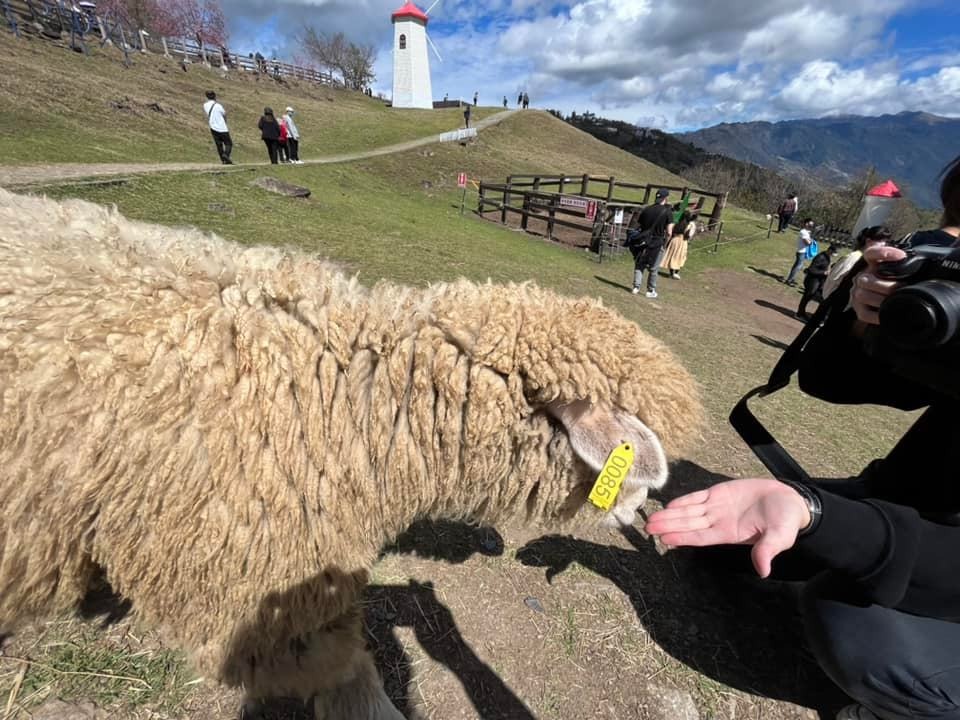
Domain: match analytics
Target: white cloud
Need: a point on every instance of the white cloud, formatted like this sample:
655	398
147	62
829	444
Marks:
684	62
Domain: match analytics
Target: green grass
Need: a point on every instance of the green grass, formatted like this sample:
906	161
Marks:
58	106
114	670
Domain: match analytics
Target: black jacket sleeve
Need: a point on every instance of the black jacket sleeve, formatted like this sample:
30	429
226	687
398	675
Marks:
892	555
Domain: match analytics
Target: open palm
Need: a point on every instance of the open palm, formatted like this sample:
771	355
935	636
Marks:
760	512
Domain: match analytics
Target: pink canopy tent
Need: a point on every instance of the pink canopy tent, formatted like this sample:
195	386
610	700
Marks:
878	203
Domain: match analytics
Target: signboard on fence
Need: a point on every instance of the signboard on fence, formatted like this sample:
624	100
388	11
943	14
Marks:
574	201
589	207
462	180
618	217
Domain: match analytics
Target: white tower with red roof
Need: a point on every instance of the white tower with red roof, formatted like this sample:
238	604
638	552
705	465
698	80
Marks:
411	66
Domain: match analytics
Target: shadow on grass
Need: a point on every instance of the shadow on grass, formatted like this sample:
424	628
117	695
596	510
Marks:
770	341
778	308
727	625
611	283
766	273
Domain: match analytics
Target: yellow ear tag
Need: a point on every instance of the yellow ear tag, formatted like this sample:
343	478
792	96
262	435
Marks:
614	472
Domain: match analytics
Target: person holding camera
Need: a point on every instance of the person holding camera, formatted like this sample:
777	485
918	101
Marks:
881	607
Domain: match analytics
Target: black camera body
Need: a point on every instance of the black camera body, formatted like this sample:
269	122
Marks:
919	331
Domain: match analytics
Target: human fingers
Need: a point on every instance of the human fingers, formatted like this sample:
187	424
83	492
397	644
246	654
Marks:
882	253
773	542
696	538
664	522
694	498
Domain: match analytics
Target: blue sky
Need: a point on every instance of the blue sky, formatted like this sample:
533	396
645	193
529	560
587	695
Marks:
674	64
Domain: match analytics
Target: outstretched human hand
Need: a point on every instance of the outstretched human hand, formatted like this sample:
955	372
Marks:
869	290
760	512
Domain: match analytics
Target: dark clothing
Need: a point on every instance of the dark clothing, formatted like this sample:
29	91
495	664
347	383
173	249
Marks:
466	116
273	149
270	134
646	243
293	147
899	665
283	151
813	282
224	145
269	128
783	221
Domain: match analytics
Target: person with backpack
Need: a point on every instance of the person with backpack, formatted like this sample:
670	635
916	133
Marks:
675	256
788	208
217	121
814	279
646	242
804	243
270	134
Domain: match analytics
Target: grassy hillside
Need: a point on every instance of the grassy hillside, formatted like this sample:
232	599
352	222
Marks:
59	106
669	628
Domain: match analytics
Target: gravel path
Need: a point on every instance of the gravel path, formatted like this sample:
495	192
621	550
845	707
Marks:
27	175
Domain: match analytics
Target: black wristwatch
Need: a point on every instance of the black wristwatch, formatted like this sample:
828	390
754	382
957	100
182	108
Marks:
812	498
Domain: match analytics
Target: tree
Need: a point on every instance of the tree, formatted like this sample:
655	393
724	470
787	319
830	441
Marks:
199	19
353	62
196	19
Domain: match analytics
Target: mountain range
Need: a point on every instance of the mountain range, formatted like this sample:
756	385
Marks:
910	147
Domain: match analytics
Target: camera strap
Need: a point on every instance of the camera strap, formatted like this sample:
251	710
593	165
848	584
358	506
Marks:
770	452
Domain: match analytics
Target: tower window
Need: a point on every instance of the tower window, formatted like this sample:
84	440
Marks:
403	42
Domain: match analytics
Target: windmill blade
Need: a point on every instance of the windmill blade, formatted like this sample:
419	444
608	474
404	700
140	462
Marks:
434	47
435	3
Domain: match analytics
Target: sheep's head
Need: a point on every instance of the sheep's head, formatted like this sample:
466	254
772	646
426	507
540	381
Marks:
593	432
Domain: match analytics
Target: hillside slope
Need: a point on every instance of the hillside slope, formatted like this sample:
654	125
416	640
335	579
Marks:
58	106
910	147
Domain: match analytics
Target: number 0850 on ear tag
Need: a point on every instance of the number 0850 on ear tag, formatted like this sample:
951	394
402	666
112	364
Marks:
614	472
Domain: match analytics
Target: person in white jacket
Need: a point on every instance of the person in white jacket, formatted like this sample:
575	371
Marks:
293	136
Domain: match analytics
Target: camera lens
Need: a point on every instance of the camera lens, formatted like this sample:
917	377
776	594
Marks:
922	316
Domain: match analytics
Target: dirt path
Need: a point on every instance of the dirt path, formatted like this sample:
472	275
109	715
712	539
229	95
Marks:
33	175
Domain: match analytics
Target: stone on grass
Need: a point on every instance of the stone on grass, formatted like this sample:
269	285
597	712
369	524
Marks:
280	187
667	703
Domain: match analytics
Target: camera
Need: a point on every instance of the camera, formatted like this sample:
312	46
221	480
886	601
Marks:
919	330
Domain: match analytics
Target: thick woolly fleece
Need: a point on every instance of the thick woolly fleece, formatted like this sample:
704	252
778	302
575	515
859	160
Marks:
233	433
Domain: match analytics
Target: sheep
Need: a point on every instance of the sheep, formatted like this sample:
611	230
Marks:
231	434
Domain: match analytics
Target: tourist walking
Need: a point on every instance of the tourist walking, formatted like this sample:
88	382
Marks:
217	120
293	136
646	242
526	101
804	240
786	210
466	116
475	96
504	102
270	134
814	279
675	255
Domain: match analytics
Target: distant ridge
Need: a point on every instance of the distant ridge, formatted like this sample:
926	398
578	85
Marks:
910	147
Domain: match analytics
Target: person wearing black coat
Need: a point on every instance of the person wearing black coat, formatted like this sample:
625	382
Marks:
270	133
880	603
813	281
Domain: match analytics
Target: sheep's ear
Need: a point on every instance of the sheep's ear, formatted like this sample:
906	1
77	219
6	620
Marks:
595	430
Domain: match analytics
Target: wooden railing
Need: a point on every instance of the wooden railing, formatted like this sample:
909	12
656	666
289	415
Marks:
571	201
58	20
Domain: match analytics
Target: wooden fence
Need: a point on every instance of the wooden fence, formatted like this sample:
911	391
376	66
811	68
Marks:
573	206
78	29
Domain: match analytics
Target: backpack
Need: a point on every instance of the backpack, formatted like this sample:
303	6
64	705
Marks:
812	250
788	206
